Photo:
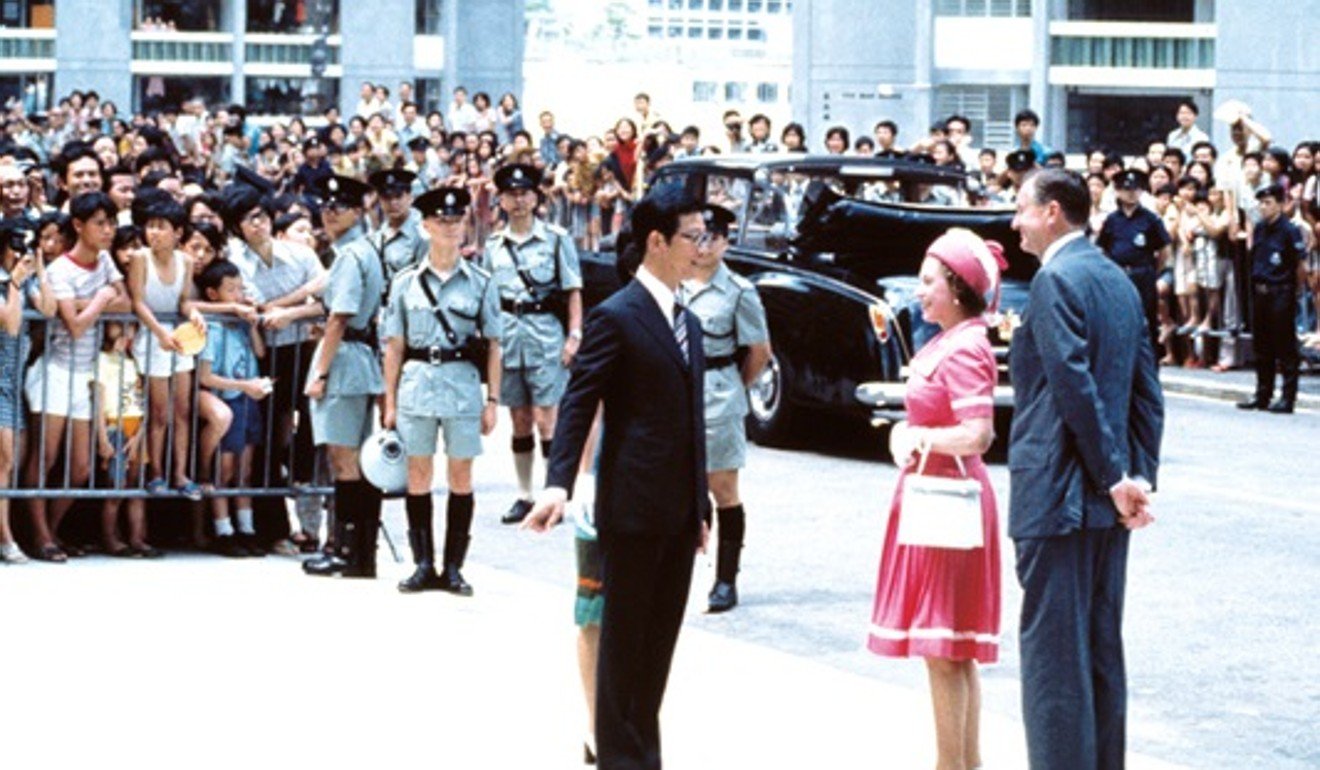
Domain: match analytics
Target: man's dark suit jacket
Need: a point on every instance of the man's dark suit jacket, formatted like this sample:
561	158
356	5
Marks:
1087	399
652	476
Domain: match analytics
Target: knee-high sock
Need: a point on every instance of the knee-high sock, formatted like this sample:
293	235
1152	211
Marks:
523	447
458	523
733	525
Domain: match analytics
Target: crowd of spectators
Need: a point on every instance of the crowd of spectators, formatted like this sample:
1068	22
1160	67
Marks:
108	213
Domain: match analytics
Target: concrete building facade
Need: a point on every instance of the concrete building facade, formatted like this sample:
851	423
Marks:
1099	72
143	53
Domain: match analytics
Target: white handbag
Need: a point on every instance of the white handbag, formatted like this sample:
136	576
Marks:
941	512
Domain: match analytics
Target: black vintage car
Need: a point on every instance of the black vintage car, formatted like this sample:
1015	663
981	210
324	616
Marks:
834	250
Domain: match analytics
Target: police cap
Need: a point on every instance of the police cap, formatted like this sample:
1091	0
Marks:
1132	179
517	176
343	190
1020	160
1274	191
392	180
247	176
418	144
443	201
717	219
313	141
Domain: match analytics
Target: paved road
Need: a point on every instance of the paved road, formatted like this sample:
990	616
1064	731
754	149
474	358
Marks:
203	662
1221	610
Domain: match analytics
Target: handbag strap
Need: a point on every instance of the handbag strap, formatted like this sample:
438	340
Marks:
925	455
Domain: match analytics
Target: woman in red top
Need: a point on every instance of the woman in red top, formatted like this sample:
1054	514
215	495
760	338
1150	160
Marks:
943	604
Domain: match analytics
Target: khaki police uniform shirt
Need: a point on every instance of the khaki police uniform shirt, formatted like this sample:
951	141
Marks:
354	286
731	317
470	301
401	249
533	339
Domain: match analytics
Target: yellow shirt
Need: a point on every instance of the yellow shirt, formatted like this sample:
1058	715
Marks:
113	371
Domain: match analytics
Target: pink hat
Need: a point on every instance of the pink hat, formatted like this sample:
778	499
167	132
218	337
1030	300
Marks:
978	262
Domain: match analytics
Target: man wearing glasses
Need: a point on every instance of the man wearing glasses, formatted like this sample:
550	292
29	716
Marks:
284	280
536	268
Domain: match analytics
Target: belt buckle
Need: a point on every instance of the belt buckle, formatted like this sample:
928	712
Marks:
433	355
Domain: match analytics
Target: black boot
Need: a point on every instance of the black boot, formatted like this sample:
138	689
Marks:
345	531
421	538
724	595
362	560
458	523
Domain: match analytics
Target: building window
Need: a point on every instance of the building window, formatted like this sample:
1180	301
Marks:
734	92
655	31
430	20
735	33
767	93
990	108
694	33
774	6
695	5
735	5
755	33
755	6
656	3
675	5
715	33
163	15
715	5
982	7
430	94
675	30
152	92
289	96
703	91
23	15
264	16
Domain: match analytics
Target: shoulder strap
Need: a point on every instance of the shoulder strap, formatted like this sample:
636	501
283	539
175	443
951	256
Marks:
435	307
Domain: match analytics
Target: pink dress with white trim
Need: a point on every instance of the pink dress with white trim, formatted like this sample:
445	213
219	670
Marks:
937	602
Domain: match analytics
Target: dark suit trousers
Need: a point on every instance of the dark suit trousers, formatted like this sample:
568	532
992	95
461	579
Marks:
1144	279
1274	339
647	578
1074	688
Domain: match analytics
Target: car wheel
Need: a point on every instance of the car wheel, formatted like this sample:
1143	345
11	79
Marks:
772	417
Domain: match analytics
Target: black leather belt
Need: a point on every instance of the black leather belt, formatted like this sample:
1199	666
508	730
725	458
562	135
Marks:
437	355
1269	288
519	307
719	362
366	335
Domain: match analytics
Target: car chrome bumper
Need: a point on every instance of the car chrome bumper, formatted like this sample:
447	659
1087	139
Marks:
885	400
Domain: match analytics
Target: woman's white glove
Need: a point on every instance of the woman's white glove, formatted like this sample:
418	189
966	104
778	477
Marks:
902	443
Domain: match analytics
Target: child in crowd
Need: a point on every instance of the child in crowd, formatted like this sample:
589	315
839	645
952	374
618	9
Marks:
228	366
54	236
158	282
23	284
118	392
85	283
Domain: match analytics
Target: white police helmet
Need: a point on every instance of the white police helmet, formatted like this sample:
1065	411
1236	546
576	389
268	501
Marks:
385	463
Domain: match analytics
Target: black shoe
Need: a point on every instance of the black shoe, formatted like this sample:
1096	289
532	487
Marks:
451	580
588	756
723	597
424	578
250	544
328	565
517	512
1280	407
229	546
1251	403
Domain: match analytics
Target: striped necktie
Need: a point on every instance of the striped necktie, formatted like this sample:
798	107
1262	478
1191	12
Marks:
681	333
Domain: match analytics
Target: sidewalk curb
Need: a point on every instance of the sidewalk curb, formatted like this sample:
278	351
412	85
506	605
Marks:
1221	391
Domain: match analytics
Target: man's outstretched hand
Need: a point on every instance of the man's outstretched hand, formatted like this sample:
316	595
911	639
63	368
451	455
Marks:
547	511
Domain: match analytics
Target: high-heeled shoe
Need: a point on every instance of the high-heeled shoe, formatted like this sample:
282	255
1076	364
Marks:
588	755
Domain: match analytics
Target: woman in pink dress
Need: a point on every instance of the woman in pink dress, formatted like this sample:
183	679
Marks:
942	604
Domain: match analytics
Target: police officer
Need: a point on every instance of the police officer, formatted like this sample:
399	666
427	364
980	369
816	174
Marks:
1135	238
732	320
399	240
1277	247
535	266
438	311
1017	165
345	378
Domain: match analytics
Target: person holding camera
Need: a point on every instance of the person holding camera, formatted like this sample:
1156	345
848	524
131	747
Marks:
535	267
442	319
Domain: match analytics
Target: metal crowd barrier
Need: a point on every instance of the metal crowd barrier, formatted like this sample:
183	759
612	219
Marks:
265	479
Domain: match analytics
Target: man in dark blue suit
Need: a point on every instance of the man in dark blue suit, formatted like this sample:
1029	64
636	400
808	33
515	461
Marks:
1083	453
641	356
